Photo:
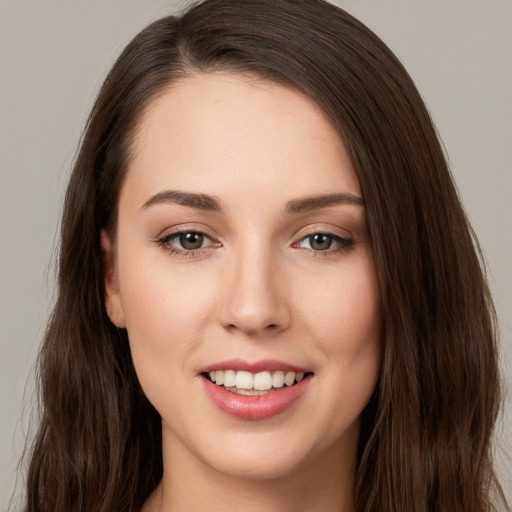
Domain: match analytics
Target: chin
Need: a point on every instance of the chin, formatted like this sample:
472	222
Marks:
258	468
269	455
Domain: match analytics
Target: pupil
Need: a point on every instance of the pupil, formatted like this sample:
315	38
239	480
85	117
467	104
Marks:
321	242
191	240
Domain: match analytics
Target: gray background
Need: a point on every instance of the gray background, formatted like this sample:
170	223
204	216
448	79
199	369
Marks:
53	57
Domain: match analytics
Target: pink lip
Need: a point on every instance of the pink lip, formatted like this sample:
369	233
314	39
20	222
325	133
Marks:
255	407
262	365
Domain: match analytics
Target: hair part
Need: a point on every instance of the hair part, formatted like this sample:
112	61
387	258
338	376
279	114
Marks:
423	445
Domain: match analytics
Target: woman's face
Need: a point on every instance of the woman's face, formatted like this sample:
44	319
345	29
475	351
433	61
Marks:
242	249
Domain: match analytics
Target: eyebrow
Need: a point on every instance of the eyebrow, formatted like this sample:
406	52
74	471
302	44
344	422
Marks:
211	203
190	199
307	204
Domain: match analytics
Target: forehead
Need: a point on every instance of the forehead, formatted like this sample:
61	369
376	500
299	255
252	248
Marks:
223	133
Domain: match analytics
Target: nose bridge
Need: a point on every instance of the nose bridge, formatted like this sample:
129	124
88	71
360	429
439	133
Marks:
254	298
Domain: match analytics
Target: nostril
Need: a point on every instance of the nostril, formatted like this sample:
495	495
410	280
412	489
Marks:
251	329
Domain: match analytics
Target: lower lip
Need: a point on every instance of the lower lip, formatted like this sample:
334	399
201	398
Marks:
255	407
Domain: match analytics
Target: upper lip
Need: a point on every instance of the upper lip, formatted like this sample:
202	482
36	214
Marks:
254	366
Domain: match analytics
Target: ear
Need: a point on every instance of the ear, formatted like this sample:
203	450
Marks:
113	303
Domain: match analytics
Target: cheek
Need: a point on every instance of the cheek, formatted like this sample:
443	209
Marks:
346	313
164	317
346	324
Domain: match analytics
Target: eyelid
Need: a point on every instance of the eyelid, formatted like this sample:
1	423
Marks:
186	228
323	229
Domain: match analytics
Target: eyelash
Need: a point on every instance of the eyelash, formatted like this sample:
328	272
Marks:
164	241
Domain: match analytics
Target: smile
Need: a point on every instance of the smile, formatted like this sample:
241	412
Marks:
251	384
255	391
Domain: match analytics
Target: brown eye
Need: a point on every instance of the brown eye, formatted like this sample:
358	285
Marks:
186	242
191	241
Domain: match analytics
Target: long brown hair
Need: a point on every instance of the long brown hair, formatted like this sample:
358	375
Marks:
425	439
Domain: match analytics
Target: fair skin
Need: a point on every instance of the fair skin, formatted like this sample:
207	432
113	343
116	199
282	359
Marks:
262	275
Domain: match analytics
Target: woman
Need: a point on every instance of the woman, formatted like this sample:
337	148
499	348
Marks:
262	300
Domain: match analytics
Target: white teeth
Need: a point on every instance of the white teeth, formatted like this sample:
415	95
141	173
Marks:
289	378
229	378
262	381
250	392
278	379
244	380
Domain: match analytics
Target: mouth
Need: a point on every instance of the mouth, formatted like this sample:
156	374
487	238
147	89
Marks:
247	383
255	390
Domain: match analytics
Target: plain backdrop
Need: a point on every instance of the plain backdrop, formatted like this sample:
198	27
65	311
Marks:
53	57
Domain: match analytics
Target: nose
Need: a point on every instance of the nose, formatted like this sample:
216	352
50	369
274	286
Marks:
255	299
